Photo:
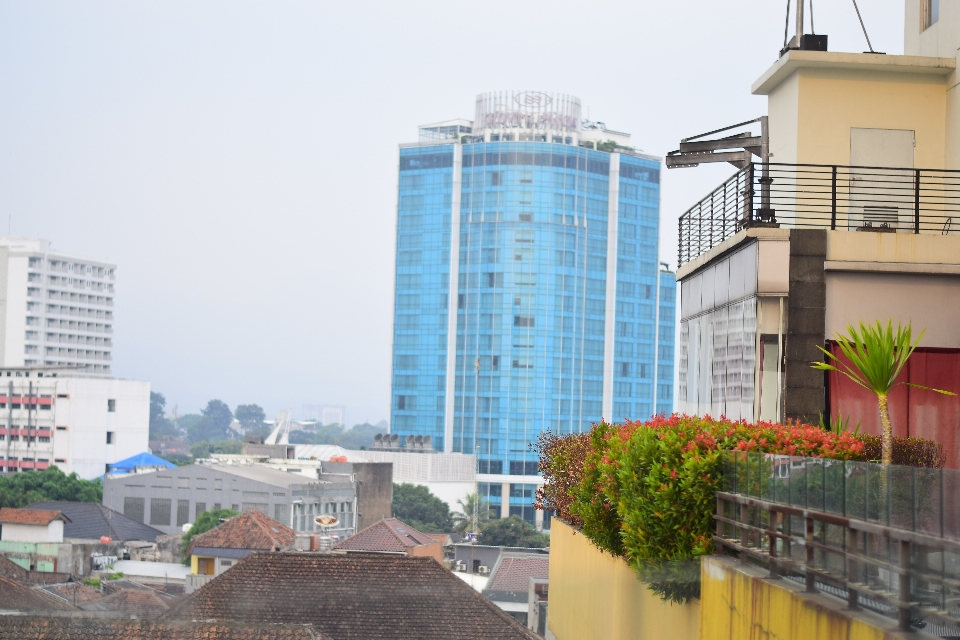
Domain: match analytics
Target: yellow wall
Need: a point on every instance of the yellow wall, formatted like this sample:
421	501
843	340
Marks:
908	248
194	564
596	596
737	603
832	101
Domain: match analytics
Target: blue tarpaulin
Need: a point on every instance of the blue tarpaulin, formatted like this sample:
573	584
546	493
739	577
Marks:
140	460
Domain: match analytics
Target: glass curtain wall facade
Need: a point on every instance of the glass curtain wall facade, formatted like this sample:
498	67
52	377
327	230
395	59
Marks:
526	296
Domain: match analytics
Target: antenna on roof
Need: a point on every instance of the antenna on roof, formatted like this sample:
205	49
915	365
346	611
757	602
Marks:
862	26
805	42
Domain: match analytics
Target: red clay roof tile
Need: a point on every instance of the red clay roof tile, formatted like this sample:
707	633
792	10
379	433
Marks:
9	515
388	534
249	530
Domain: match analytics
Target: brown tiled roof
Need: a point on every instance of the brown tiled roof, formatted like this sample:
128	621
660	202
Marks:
442	538
15	596
249	530
513	572
388	534
356	596
10	569
9	515
136	603
74	592
35	628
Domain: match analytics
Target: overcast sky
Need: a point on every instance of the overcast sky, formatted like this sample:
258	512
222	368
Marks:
238	160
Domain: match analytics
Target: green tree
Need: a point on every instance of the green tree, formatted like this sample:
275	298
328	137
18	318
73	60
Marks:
472	504
207	520
361	435
160	427
876	356
512	532
214	425
201	449
21	489
250	416
419	508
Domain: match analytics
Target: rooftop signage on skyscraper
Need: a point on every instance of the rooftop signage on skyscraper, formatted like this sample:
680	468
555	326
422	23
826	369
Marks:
531	110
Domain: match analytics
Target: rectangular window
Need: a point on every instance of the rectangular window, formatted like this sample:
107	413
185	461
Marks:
524	236
523	321
183	512
280	513
133	508
625	369
111	405
931	13
198	509
493	279
493	178
109	437
160	511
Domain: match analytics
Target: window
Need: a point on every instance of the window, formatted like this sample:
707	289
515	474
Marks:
160	511
111	405
133	508
493	178
109	437
523	321
183	512
625	369
280	513
931	13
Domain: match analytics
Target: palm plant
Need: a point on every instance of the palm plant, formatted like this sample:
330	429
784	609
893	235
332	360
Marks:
876	357
473	506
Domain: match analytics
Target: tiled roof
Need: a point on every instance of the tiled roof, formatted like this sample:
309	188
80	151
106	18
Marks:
136	603
10	569
74	593
351	597
249	530
91	521
513	572
388	534
35	628
9	515
15	596
442	538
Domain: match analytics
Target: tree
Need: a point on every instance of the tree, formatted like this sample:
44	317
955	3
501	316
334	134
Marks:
250	416
876	357
214	425
512	532
419	508
20	489
201	449
463	519
361	435
160	427
207	520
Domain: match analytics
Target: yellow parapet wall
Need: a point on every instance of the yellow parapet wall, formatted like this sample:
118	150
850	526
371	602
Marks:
739	603
596	596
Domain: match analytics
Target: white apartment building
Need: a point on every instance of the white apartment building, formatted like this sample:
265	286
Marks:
80	424
54	309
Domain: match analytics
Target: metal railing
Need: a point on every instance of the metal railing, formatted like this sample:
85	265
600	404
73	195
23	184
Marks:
878	199
886	538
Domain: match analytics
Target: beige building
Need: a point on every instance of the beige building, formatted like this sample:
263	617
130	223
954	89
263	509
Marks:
864	188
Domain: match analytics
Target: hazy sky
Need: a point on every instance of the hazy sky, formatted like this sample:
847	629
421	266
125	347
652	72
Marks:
238	160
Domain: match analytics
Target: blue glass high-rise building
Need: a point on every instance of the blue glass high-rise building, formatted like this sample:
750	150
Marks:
527	286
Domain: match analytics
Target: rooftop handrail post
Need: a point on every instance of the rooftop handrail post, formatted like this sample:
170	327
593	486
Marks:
903	608
916	202
833	198
808	566
722	513
853	570
772	542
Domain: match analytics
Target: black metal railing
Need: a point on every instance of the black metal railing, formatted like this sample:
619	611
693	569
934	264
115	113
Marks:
878	199
884	537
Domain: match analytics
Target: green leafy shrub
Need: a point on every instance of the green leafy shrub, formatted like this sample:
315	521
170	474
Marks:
207	520
646	491
909	452
92	582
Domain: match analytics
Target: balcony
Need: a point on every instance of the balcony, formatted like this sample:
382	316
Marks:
885	538
195	581
837	197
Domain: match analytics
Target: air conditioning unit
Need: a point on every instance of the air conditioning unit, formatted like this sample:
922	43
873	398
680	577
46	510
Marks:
883	219
484	571
460	566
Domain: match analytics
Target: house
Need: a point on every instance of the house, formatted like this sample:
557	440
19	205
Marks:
12	570
217	550
74	593
481	558
393	536
346	596
16	597
143	604
30	626
91	521
29	525
169	499
509	584
32	538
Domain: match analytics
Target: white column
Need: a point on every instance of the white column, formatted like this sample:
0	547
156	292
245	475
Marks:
610	317
452	299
